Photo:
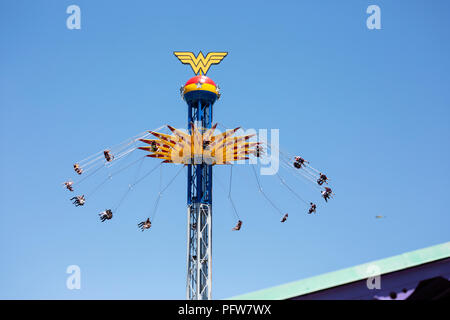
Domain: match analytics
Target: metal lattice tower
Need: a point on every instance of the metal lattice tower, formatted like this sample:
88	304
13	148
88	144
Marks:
199	202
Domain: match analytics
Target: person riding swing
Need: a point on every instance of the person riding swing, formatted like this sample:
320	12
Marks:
78	200
69	185
106	215
238	226
144	225
108	156
154	146
312	209
299	161
322	178
77	168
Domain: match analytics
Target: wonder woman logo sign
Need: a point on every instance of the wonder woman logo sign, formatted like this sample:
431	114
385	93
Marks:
200	64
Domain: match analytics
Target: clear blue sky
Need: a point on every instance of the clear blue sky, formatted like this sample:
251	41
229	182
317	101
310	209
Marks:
369	107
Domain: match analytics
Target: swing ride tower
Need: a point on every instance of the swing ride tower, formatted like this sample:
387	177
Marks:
200	95
199	150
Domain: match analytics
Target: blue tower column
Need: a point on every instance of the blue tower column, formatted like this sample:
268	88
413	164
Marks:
199	202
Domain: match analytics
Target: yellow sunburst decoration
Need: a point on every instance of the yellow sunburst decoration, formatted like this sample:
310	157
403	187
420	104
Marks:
201	146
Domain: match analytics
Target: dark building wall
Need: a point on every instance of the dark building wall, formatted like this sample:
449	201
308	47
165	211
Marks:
395	282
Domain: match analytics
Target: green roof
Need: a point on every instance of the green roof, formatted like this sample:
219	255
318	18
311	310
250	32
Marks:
340	277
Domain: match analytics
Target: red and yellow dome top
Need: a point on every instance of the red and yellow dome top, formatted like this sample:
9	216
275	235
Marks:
201	83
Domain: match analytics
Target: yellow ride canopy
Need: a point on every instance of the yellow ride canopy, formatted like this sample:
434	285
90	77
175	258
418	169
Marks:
201	146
